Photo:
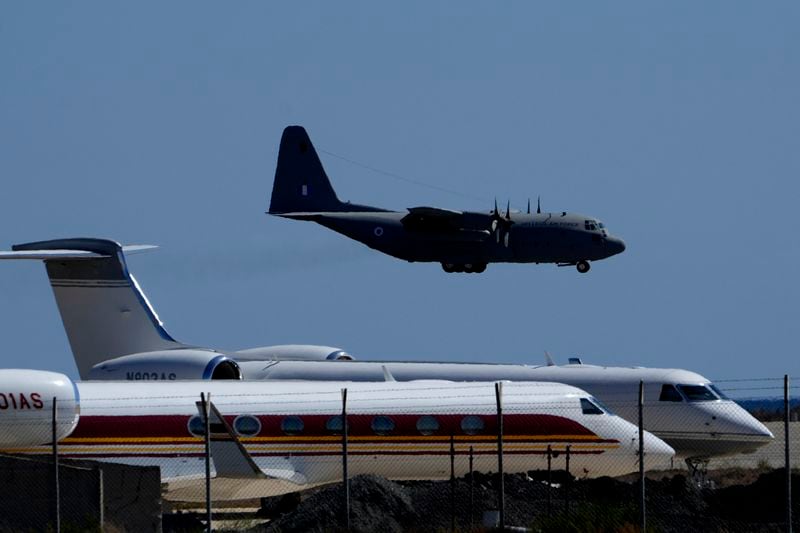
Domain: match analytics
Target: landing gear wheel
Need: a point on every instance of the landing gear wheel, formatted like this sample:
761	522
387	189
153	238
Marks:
478	267
468	268
583	267
448	267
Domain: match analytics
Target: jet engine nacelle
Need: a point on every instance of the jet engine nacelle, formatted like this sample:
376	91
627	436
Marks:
168	365
294	352
26	407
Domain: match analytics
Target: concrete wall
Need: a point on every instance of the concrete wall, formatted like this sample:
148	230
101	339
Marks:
94	495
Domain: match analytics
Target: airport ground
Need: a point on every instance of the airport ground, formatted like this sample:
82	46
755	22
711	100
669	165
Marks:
742	493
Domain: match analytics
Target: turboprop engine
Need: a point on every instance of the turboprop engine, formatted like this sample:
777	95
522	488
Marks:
168	365
26	407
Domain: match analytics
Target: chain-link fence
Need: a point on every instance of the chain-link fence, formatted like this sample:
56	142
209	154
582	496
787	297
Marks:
427	457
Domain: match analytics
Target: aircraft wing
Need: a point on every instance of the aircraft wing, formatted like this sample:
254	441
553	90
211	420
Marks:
432	219
455	224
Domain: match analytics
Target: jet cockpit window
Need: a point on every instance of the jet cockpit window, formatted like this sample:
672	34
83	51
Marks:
589	408
722	395
697	393
669	394
590	225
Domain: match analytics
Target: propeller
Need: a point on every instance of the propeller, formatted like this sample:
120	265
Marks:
501	224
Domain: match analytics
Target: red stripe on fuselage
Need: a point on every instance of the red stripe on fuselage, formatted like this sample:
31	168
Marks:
164	426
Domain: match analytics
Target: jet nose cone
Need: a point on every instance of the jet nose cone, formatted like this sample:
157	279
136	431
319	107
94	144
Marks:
657	450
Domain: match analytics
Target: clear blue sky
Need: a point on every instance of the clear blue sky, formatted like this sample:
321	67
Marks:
676	123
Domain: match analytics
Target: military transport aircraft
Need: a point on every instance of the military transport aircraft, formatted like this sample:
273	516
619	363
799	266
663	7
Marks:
462	241
116	335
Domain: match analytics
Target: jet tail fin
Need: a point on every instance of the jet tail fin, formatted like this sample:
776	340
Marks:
301	185
104	312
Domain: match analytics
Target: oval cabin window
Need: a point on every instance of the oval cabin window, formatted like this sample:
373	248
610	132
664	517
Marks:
247	426
382	425
292	425
472	425
427	425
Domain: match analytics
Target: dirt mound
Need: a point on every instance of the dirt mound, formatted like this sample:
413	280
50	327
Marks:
675	503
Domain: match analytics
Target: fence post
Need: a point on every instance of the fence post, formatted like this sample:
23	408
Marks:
452	482
205	400
642	510
471	489
549	478
56	483
567	484
787	459
498	391
345	477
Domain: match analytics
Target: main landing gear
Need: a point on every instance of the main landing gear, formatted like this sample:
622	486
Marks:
582	266
469	268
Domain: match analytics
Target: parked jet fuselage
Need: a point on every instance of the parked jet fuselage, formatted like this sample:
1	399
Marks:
462	241
291	433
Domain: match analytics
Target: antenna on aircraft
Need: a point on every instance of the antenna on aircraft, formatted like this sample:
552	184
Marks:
529	206
538	205
549	359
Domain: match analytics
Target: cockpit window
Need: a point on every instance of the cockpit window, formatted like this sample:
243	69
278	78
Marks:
601	225
697	393
722	395
589	408
589	224
669	394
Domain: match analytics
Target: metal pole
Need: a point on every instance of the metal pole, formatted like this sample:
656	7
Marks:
642	510
549	478
206	400
471	489
567	485
787	459
452	483
56	483
498	392
345	476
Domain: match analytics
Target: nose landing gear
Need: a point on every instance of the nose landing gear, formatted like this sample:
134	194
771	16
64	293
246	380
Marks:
583	266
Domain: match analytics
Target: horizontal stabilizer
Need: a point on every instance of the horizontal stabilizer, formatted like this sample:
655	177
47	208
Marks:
49	254
45	255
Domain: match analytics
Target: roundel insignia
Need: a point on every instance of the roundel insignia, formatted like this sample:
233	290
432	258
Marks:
378	231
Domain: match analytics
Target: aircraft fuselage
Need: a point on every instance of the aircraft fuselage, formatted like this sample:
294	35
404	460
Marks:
469	240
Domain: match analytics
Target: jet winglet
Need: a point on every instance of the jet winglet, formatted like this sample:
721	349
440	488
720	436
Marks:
231	459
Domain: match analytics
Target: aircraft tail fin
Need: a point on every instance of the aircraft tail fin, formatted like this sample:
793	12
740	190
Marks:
301	184
301	187
104	312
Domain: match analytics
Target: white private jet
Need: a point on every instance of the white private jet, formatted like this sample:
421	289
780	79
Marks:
287	437
116	335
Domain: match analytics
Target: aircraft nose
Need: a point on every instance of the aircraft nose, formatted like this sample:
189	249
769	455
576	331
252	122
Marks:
656	450
615	245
